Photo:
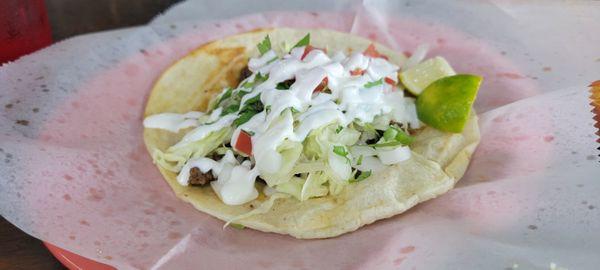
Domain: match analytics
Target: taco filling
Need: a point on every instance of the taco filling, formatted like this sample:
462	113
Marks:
307	122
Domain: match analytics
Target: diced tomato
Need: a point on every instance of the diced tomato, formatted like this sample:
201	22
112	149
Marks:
244	143
307	49
372	52
321	86
389	81
357	72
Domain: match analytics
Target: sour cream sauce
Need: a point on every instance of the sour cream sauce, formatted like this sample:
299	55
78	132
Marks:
348	101
353	97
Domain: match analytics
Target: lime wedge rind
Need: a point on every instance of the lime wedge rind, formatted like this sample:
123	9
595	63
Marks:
446	103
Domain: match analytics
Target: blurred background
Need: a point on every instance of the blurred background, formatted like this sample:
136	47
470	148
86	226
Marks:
26	26
73	17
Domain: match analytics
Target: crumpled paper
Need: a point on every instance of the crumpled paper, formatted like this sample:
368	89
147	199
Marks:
75	171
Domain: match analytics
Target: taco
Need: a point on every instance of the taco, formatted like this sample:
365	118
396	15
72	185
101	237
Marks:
311	133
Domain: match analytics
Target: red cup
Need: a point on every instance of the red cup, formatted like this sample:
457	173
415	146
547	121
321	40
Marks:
24	28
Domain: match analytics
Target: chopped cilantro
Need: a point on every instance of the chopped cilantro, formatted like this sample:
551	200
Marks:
359	161
258	79
303	42
285	85
361	176
404	138
230	109
341	151
264	46
253	103
339	129
272	60
225	96
244	117
389	134
251	107
240	93
373	84
394	136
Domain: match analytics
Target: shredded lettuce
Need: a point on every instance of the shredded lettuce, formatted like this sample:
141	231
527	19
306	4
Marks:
292	187
290	152
326	165
313	186
175	157
320	141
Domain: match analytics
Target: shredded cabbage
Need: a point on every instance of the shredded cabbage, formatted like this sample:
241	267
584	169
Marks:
313	186
290	152
293	187
176	156
320	141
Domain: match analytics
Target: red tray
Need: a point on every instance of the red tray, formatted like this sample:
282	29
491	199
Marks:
74	261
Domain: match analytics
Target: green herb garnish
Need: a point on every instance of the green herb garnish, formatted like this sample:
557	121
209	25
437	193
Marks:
244	117
341	151
339	129
393	137
251	107
359	161
389	134
373	84
272	60
258	79
225	96
285	85
303	42
361	176
264	46
230	109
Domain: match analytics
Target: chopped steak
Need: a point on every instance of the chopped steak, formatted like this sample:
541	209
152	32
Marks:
245	73
260	180
197	178
216	157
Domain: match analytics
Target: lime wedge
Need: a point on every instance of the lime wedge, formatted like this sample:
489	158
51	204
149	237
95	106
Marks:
422	75
446	103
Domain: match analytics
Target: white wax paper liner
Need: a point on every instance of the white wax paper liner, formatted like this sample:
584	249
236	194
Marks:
75	171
